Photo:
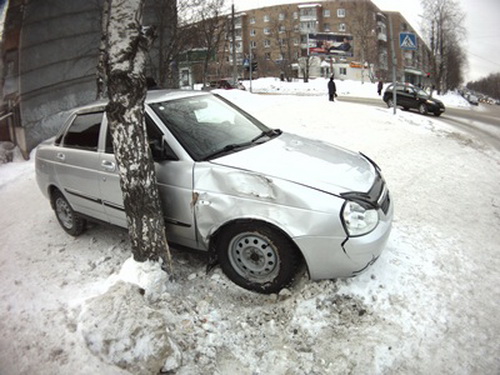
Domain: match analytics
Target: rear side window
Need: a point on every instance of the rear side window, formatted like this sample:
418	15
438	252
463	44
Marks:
83	133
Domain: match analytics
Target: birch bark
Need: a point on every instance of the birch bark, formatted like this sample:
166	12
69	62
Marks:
125	64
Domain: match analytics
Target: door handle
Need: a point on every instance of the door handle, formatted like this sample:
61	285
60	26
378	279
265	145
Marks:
61	156
108	165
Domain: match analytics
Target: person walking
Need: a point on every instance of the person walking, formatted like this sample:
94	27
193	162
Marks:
379	87
332	90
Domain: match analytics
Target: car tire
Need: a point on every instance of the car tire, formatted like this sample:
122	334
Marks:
405	108
70	221
422	108
437	114
257	257
390	103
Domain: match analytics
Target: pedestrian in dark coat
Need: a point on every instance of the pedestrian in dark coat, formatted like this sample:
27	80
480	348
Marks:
332	90
379	87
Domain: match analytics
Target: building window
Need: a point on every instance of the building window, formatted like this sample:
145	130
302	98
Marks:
343	71
340	13
281	57
295	15
296	41
326	13
267	31
267	43
252	20
281	16
342	27
282	41
296	28
282	29
252	32
267	18
253	44
326	27
267	55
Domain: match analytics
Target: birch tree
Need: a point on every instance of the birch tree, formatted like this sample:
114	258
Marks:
443	26
127	45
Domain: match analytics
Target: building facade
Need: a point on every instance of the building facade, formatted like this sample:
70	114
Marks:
347	39
50	52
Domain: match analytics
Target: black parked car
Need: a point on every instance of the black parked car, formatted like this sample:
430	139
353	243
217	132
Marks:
409	96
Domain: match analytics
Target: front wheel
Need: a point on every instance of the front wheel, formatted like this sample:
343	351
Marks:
390	103
257	257
437	114
422	109
67	218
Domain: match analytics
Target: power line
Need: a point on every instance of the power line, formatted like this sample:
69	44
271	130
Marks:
482	58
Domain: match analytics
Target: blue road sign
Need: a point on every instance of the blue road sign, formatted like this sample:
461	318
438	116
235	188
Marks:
408	41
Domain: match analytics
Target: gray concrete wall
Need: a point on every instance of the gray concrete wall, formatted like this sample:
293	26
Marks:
58	59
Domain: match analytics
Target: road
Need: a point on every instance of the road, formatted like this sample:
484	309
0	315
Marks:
482	121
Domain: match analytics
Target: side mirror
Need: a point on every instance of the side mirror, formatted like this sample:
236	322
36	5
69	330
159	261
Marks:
161	151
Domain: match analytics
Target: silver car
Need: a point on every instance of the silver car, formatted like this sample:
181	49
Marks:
261	201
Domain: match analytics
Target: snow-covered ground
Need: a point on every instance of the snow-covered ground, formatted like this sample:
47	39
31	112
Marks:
429	305
346	88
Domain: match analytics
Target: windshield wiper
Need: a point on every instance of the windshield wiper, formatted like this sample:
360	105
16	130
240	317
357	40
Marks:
238	146
269	133
227	149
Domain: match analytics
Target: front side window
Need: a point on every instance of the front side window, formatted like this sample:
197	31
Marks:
208	125
83	133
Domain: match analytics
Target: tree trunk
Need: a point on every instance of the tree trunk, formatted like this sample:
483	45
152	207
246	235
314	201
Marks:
101	64
125	65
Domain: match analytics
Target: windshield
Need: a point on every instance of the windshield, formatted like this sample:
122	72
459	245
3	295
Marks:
208	126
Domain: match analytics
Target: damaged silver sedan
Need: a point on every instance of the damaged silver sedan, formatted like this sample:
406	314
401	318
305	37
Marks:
261	201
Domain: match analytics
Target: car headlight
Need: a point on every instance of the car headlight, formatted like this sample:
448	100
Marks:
359	220
430	102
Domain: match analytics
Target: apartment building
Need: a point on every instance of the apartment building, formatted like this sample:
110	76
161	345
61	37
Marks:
349	39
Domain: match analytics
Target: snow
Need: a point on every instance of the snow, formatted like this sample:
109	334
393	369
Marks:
428	305
347	88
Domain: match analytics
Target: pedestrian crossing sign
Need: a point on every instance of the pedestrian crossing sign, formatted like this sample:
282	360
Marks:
408	41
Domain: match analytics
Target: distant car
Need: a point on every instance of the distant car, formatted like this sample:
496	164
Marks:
259	200
412	97
225	84
472	99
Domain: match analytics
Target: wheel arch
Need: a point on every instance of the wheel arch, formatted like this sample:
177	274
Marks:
212	250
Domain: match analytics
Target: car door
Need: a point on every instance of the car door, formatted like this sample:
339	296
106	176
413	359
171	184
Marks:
174	179
77	164
404	97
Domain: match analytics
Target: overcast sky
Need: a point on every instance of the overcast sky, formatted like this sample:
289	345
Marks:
482	23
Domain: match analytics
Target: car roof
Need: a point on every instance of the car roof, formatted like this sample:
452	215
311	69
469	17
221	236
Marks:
153	96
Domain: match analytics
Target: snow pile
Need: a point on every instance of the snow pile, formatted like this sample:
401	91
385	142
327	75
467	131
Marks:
120	328
428	305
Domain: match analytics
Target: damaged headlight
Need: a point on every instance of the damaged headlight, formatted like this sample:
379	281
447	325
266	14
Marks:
357	219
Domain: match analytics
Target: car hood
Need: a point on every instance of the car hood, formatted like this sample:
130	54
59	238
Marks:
308	162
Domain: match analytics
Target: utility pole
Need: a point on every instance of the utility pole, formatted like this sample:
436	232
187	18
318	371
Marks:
250	62
394	62
233	38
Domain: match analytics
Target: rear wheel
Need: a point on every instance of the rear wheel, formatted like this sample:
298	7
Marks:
257	257
71	222
422	108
